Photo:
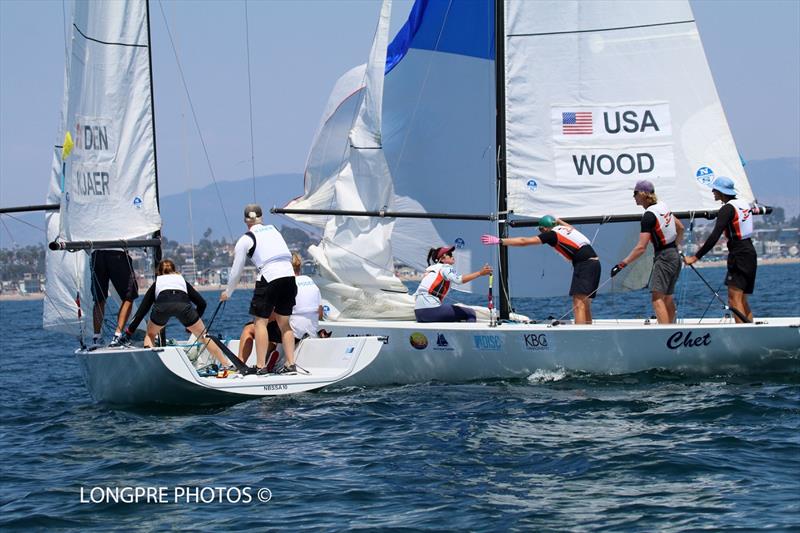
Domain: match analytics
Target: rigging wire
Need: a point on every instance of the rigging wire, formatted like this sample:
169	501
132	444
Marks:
250	99
34	226
196	120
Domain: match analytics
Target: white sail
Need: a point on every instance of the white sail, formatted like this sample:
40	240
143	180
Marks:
66	274
601	94
357	251
110	175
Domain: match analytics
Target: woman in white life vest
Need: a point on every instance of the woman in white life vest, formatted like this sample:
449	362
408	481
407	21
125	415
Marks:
172	296
735	220
665	231
428	306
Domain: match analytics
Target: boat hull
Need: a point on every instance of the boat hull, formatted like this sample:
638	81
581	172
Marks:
462	352
139	376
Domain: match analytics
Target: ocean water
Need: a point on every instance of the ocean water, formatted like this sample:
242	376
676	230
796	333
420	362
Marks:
556	451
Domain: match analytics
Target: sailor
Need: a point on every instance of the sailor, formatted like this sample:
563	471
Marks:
306	314
665	231
574	247
171	296
114	266
275	289
428	306
735	219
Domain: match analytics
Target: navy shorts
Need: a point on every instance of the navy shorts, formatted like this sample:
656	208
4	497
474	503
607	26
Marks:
277	295
585	278
445	313
114	266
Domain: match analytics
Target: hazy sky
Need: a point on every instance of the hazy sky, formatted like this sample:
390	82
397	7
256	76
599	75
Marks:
297	51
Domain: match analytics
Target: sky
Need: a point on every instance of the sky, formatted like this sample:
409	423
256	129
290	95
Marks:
297	51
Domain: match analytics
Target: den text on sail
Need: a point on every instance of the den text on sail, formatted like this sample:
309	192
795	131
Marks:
93	178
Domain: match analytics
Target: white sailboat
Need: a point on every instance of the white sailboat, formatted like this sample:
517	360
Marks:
107	190
473	120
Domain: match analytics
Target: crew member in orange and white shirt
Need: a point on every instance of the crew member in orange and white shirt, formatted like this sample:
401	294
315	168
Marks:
576	248
735	219
433	287
665	231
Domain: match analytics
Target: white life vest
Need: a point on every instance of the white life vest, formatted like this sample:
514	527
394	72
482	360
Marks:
270	254
570	241
741	227
170	282
305	314
665	230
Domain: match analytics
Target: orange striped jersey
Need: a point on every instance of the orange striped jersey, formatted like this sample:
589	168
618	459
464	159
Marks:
569	242
741	225
435	285
660	224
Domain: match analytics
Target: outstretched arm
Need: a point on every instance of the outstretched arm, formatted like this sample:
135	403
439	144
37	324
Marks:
484	271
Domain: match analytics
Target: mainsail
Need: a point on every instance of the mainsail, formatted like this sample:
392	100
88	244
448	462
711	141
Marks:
106	184
110	175
601	94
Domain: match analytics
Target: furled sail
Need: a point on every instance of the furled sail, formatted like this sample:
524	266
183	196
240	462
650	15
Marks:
110	175
601	94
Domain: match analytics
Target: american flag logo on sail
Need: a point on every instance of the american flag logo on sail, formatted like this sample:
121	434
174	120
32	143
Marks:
576	123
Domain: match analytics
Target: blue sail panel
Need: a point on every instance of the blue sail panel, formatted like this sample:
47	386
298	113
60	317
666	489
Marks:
463	28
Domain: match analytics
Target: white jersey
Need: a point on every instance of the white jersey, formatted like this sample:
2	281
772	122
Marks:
741	227
664	232
305	314
270	255
170	282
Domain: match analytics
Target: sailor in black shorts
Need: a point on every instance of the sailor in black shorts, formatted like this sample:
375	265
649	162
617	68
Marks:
574	247
735	220
171	296
275	291
116	267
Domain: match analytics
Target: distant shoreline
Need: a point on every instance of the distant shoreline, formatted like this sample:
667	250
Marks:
210	288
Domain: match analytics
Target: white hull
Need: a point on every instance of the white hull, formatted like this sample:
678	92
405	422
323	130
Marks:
463	352
134	376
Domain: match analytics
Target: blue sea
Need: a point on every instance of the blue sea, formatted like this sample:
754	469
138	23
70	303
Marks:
557	451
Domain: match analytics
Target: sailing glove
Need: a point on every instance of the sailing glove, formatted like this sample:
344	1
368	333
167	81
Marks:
616	270
490	240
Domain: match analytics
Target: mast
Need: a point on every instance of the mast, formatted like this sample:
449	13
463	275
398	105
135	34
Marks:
157	234
500	142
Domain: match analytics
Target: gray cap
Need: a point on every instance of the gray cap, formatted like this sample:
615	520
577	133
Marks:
252	212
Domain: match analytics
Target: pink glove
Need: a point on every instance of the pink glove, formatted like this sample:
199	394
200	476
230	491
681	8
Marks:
490	240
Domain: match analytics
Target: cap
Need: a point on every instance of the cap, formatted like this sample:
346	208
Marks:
547	221
252	211
443	251
644	186
724	185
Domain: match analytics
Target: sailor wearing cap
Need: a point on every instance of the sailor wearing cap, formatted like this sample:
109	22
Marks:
665	231
428	306
576	248
275	289
735	219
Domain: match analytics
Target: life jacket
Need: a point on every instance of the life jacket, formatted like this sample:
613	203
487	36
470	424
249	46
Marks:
269	252
434	283
569	242
741	227
664	233
170	282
